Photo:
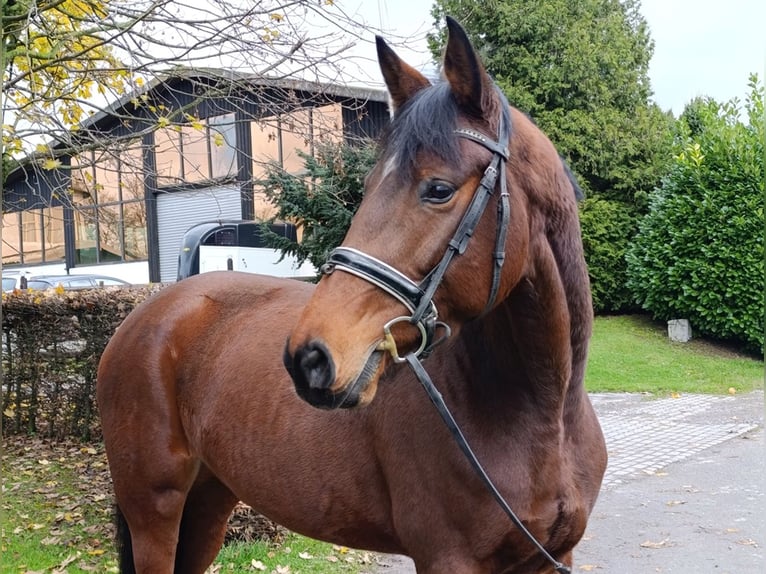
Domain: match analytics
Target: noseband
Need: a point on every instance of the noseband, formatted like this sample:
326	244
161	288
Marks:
418	298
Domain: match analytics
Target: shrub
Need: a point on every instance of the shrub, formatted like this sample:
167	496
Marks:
52	343
321	202
699	251
607	228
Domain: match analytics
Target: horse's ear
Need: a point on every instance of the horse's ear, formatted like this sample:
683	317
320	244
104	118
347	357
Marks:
465	73
402	80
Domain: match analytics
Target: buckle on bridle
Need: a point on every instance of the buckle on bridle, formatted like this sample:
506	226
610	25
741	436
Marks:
427	328
389	343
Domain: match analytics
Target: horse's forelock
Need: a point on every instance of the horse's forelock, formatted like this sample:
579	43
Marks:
426	123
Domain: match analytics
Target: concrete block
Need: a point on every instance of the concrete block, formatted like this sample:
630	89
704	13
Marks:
679	330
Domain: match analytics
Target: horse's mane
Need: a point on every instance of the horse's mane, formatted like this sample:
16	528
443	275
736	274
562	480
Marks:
579	193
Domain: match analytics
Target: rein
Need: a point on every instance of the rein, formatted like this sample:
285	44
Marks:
418	297
457	434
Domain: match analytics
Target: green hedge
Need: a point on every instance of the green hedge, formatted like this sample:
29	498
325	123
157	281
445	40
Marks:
607	229
699	252
52	343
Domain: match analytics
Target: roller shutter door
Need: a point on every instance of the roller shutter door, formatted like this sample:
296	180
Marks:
178	211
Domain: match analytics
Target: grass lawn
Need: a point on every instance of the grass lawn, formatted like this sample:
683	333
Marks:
56	508
631	353
57	519
296	555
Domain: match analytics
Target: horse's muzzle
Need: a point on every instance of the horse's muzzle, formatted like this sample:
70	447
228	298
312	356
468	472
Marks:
314	376
313	372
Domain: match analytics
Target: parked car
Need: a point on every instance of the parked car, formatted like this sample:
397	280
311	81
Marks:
11	280
70	282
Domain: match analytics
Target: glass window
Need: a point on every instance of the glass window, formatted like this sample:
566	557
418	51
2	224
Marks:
167	152
196	152
107	186
36	285
110	213
296	136
278	139
194	148
134	226
327	122
79	283
132	174
33	236
223	146
53	234
86	231
109	233
265	138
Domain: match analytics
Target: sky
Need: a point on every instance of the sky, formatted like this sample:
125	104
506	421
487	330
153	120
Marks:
702	47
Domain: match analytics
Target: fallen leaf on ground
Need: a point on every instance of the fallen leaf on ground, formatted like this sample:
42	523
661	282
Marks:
664	543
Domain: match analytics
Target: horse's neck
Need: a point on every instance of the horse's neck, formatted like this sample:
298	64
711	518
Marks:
532	347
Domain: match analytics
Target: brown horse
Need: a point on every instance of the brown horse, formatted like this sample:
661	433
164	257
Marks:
198	411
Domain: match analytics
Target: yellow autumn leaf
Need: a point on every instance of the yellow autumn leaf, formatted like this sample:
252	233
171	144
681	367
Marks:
51	163
195	122
96	552
218	140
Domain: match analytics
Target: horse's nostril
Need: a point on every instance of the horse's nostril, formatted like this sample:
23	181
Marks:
315	365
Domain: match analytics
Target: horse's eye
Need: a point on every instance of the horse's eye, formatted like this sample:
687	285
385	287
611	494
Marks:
437	192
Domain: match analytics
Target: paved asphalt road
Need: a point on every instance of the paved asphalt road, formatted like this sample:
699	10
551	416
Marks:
683	493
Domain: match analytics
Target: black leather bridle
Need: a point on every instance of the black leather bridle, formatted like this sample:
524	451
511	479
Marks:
418	298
